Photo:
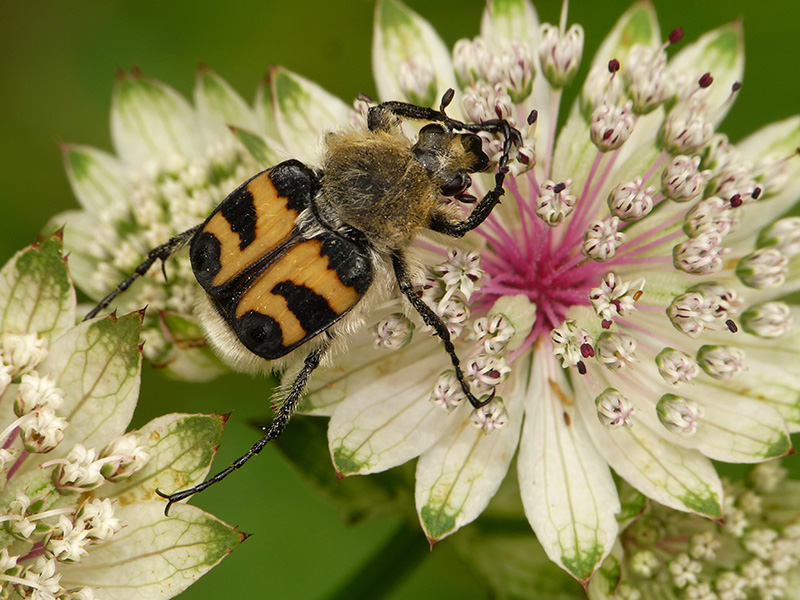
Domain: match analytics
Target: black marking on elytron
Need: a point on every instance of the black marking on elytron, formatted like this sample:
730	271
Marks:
204	255
240	213
261	334
312	310
349	259
296	182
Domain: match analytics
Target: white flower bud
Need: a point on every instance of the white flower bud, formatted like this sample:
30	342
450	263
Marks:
571	343
681	180
699	255
485	372
602	239
645	75
22	352
494	331
768	320
393	332
514	67
613	297
484	102
460	272
710	215
721	362
686	129
468	58
41	430
631	201
490	417
614	410
79	470
615	350
691	313
68	541
123	457
560	53
679	415
35	392
764	268
98	518
611	126
417	80
676	366
783	235
645	563
554	204
447	392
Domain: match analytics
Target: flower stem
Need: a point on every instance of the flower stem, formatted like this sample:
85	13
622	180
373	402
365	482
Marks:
388	568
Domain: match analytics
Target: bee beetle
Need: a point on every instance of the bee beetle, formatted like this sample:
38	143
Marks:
287	260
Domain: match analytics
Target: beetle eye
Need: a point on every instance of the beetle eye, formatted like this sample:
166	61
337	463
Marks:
460	182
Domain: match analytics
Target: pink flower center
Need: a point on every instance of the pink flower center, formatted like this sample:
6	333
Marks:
544	263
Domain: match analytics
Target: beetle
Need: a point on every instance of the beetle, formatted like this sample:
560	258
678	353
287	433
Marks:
293	259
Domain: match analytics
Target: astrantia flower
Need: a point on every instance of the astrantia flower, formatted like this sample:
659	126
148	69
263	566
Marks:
623	303
635	271
79	517
667	554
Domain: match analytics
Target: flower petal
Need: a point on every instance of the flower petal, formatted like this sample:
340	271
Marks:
567	490
719	52
362	365
573	154
776	140
401	36
304	111
153	556
150	119
97	365
181	448
390	420
676	477
265	151
97	178
460	474
36	294
506	20
219	105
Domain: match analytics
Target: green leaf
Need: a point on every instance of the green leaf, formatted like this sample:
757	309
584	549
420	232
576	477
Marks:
36	294
181	448
153	556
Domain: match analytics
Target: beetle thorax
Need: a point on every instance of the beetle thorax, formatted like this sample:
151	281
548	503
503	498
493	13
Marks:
375	184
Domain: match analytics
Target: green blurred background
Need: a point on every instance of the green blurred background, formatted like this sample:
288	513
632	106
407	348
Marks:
57	66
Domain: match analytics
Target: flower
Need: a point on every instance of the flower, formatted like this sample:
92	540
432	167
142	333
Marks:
78	496
634	273
615	304
667	554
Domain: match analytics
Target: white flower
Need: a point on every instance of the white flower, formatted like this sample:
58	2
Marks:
71	405
610	371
